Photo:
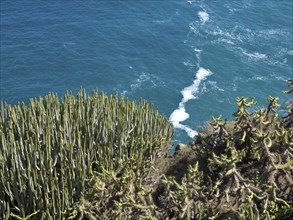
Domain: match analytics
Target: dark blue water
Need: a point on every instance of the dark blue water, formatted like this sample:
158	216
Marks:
192	59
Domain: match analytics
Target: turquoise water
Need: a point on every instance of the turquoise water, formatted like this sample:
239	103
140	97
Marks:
192	59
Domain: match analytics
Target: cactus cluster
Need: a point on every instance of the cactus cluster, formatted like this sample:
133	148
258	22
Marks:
246	169
52	150
98	157
115	196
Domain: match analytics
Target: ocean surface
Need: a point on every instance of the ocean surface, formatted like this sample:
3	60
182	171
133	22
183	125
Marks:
192	59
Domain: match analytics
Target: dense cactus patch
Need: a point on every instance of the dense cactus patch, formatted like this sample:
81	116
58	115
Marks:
241	173
103	157
51	148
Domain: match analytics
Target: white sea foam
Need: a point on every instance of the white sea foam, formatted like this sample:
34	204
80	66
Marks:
189	92
223	32
260	57
197	50
193	28
225	41
255	56
138	82
271	77
179	115
190	132
261	78
204	16
241	34
144	79
190	1
272	32
214	86
188	63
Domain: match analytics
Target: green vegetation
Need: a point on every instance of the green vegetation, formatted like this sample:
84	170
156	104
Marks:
102	157
242	173
52	151
243	169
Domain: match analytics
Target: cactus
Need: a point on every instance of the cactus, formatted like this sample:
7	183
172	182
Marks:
92	157
246	172
48	147
187	198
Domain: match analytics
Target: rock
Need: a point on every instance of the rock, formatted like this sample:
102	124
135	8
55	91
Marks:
192	144
180	147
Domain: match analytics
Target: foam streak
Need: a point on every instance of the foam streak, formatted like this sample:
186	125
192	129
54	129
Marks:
179	115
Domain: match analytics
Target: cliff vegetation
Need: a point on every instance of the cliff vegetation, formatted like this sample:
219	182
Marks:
105	157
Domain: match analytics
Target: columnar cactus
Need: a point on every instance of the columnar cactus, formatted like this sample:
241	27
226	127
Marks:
48	148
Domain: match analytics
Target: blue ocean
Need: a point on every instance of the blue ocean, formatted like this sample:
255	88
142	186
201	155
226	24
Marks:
192	59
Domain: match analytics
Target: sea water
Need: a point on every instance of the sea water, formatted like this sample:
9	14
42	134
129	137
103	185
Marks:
192	59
